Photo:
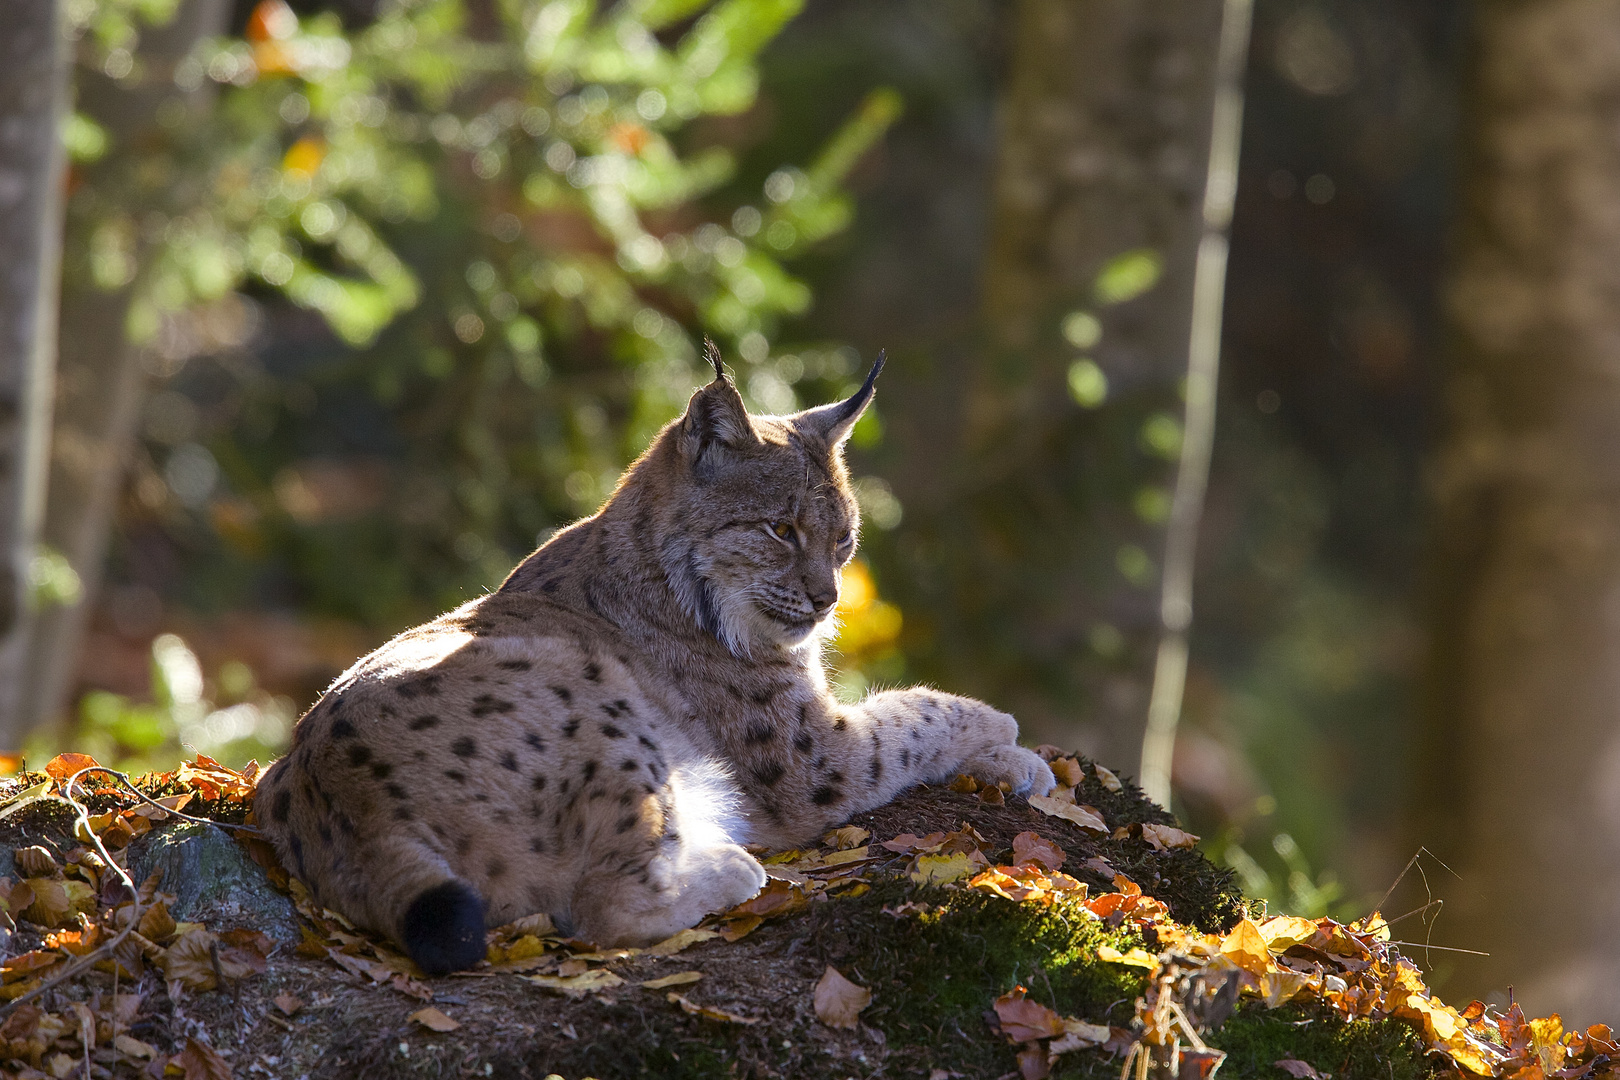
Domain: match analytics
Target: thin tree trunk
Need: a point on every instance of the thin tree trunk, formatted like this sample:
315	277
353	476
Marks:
102	384
1105	140
1522	769
33	99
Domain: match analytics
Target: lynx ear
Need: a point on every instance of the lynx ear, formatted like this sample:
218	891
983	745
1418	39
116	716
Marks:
834	422
715	417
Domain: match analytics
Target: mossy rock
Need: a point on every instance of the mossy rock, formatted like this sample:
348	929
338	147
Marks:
935	960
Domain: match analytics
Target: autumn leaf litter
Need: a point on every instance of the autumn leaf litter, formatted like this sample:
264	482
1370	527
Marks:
751	986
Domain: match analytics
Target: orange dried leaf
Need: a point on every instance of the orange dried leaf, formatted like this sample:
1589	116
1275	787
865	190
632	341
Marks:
1246	948
838	1002
709	1012
434	1020
29	962
1084	816
1029	847
1023	1020
1164	837
740	927
198	1061
909	844
288	1004
63	766
1068	771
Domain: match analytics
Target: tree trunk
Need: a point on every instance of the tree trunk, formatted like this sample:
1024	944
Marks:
1523	714
33	96
1106	121
102	384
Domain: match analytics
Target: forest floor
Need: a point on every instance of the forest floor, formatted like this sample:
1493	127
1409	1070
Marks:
953	933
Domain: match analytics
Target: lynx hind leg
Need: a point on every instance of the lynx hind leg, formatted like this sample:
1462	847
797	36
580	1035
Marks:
695	867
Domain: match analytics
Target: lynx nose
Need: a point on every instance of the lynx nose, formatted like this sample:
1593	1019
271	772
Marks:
823	601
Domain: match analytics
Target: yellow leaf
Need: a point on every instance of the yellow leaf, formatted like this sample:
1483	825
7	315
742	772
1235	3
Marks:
58	902
1164	837
133	1047
1135	958
683	940
941	869
847	837
1246	948
1080	815
434	1020
680	978
709	1012
1283	932
854	854
838	1001
575	986
1107	779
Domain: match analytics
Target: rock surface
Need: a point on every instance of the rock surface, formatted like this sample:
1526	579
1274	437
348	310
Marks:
214	881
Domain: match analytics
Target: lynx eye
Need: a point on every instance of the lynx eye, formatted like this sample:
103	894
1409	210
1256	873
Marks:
847	539
781	530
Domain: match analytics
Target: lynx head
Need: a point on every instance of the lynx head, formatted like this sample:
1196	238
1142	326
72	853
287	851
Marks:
762	513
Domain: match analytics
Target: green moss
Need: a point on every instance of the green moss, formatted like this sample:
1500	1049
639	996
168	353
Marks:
1379	1050
935	976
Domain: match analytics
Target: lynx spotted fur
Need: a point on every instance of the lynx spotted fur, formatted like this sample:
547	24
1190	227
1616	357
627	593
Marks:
645	693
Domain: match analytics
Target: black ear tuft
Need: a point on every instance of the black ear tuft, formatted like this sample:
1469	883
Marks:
443	929
711	353
834	422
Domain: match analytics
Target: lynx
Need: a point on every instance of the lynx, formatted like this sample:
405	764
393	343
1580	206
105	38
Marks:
598	738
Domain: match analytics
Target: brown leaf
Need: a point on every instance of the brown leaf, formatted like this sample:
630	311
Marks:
288	1004
156	922
680	978
189	961
963	784
992	796
838	1001
1107	779
22	1022
63	766
1068	771
847	837
36	861
908	844
198	1061
1033	1063
1164	837
1029	847
57	902
709	1012
1084	816
1301	1070
1023	1020
776	898
130	1046
434	1020
740	927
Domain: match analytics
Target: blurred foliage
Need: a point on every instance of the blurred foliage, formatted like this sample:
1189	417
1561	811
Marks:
515	222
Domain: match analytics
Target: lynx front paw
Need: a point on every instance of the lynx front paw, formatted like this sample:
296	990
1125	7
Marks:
1021	769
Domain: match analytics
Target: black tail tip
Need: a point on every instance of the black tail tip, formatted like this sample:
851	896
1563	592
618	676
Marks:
444	929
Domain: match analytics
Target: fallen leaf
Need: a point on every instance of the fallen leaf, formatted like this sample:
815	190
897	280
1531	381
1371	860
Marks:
590	982
288	1004
156	922
434	1020
1079	1035
1283	932
63	766
1102	866
1083	816
1107	779
992	796
683	940
1164	837
680	978
1029	847
709	1012
1068	771
847	837
776	898
838	1001
941	869
1246	947
190	960
569	968
1023	1020
909	844
963	784
199	1061
57	902
1301	1069
133	1047
849	855
1033	1064
1135	958
35	861
740	927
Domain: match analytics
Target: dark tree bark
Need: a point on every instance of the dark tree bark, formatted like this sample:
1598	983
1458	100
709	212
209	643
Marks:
1106	122
102	383
33	97
1522	773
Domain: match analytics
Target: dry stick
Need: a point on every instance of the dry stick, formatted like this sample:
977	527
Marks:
83	818
1198	437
